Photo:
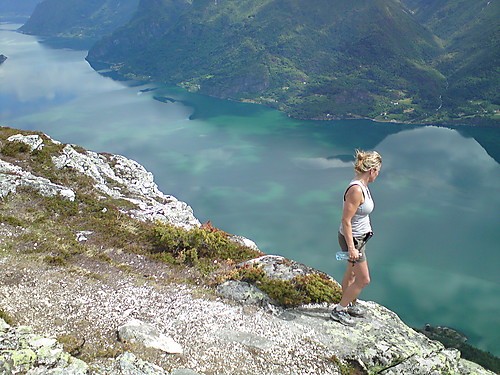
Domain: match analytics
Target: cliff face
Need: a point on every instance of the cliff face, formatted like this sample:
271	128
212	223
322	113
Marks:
72	269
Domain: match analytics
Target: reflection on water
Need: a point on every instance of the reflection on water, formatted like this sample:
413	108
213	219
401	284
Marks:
279	181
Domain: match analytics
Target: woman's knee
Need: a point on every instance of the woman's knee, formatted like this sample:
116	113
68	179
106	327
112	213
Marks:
365	281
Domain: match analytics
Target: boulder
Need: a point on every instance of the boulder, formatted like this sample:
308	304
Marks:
129	364
243	292
136	331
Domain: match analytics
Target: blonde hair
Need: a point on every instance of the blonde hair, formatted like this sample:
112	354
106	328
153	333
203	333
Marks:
366	160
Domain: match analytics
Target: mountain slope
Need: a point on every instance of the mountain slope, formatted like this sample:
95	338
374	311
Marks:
321	61
12	8
79	19
469	30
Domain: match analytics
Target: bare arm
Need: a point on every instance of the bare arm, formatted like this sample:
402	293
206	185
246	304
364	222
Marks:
353	198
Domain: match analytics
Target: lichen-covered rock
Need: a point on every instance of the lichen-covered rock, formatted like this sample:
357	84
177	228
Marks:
244	292
12	177
278	267
123	178
23	352
381	343
129	364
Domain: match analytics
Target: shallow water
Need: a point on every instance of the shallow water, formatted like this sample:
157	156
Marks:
255	172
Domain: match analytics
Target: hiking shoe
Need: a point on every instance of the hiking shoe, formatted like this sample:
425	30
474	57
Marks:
342	317
356	310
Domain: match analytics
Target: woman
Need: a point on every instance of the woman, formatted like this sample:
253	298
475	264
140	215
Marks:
355	230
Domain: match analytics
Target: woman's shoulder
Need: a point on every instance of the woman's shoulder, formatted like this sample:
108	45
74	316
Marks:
354	191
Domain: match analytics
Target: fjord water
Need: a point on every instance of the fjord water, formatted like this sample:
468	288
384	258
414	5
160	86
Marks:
255	172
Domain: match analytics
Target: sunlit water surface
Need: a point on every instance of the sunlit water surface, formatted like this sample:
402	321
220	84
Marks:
255	172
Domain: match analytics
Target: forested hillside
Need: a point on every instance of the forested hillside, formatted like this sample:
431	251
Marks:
470	33
390	60
79	19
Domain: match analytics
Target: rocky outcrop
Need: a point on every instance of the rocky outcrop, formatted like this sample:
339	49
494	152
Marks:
239	331
114	175
12	176
123	178
24	352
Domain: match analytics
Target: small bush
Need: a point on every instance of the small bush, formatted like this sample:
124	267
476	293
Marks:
312	288
319	288
191	246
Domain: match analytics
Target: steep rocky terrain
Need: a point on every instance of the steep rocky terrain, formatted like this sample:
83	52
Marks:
77	268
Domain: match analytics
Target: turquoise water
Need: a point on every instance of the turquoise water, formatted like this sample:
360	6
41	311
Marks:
255	172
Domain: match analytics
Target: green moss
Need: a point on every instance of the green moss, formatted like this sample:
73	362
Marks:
345	369
71	344
7	318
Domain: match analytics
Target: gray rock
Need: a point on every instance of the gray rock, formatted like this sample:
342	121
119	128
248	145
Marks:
184	372
34	141
136	331
123	178
278	267
243	292
129	364
243	242
247	339
12	177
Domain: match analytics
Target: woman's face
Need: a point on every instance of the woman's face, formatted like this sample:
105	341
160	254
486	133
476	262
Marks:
374	173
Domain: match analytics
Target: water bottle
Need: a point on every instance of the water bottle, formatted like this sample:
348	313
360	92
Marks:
342	255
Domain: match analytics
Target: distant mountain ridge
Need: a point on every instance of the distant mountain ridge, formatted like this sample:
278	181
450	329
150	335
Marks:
79	19
389	60
14	8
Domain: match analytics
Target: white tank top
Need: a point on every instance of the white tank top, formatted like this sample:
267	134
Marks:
360	222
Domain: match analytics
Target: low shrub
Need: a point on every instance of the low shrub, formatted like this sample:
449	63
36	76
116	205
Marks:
191	246
14	148
302	289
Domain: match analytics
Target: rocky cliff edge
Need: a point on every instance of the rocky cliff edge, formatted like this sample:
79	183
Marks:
110	310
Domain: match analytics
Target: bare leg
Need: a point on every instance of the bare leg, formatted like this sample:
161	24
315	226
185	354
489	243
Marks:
348	278
355	279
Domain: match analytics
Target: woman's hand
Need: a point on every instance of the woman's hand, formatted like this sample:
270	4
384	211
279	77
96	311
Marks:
354	254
